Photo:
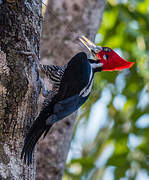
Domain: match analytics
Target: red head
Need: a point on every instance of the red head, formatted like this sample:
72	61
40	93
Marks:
110	59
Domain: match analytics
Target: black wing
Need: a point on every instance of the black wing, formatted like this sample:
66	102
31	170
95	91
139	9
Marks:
75	78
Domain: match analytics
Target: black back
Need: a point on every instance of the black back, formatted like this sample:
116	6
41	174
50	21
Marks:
75	78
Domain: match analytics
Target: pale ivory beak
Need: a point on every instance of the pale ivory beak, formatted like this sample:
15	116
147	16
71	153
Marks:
90	45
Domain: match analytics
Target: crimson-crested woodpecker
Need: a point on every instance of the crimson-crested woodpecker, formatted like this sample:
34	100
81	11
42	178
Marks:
72	87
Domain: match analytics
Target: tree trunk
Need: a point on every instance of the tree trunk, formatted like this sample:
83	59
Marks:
20	26
59	43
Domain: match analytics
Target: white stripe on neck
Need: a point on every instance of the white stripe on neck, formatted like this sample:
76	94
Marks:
94	65
85	91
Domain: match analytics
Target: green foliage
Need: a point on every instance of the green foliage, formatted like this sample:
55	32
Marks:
125	27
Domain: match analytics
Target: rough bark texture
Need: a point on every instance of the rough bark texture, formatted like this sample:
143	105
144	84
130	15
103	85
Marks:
58	44
20	26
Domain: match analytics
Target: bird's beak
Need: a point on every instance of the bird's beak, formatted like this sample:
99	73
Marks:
91	46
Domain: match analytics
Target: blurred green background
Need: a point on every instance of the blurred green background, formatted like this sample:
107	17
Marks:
111	139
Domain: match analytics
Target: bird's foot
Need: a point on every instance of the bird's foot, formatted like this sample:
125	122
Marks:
31	54
51	120
27	53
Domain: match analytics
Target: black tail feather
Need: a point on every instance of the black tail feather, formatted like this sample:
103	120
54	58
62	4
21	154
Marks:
32	137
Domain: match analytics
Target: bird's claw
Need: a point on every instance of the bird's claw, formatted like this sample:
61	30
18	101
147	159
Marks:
26	53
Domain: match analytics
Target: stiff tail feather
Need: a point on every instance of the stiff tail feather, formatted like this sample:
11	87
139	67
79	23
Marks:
37	129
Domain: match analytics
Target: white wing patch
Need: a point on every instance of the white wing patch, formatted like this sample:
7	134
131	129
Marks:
86	91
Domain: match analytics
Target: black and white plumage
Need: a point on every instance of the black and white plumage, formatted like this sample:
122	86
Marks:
74	82
54	74
71	88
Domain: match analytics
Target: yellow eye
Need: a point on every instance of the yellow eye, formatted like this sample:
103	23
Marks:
97	51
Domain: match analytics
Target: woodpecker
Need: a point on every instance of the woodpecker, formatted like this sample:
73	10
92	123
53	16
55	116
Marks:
72	87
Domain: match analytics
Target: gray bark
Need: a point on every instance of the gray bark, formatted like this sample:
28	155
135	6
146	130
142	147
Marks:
58	44
20	26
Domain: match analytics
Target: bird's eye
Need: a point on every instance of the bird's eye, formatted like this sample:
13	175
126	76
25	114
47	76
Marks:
96	51
105	56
